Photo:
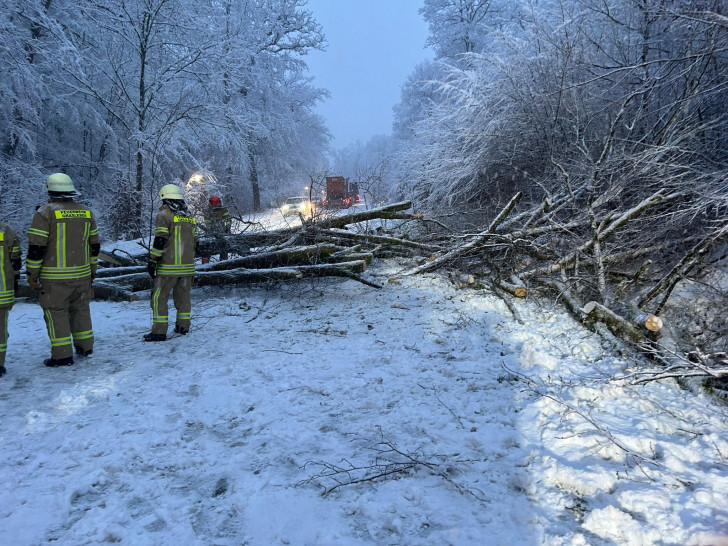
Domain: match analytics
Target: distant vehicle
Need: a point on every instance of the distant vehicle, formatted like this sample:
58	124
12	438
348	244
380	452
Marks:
340	193
293	206
354	192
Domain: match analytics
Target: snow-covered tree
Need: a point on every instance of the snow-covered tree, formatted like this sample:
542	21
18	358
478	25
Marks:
617	97
127	95
462	26
264	97
31	59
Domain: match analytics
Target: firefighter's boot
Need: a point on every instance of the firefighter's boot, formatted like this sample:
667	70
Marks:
80	351
56	362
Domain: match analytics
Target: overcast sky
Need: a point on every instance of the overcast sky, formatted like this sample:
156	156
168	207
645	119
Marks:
373	45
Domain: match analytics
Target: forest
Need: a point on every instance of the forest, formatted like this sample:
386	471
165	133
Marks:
574	147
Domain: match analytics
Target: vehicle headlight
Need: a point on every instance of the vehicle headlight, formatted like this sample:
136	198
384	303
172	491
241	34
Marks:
285	208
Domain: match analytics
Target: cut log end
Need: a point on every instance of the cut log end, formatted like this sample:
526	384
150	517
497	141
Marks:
520	292
653	323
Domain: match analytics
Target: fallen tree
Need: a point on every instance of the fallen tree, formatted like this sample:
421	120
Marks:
591	253
318	248
350	269
252	242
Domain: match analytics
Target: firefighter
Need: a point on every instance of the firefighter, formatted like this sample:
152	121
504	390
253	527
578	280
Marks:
172	263
217	220
9	272
63	249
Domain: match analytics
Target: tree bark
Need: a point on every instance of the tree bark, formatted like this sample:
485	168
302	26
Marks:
142	281
105	272
517	289
107	291
385	213
254	179
368	257
246	276
618	325
278	258
342	236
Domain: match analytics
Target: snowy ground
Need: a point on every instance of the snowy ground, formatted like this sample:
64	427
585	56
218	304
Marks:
491	432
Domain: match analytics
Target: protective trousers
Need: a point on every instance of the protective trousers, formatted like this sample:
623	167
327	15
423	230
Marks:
66	313
180	288
4	312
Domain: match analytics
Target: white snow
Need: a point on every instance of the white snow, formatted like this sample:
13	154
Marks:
504	433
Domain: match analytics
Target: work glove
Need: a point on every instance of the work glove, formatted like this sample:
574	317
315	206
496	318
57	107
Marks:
33	283
152	269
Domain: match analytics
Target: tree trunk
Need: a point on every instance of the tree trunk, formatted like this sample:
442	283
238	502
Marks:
245	276
106	272
349	269
254	180
345	236
386	212
517	289
619	326
279	258
107	291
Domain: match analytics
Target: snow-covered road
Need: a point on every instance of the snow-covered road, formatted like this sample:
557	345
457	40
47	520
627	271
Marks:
493	432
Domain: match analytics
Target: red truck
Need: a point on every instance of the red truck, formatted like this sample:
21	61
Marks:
340	193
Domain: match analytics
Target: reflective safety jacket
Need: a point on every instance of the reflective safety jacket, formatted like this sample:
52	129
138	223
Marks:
63	242
175	238
9	264
217	220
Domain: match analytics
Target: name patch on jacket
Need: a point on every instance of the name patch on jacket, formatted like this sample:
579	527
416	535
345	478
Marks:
61	214
187	219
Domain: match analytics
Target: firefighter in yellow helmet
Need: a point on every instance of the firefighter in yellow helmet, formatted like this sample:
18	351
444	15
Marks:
63	249
172	263
9	271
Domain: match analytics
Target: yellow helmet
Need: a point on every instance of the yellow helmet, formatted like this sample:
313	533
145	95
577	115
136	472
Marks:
171	191
60	183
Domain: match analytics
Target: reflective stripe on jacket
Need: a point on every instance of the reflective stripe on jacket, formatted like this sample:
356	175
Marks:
66	229
9	250
218	219
177	258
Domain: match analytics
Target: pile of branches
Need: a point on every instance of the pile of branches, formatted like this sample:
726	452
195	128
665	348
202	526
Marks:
603	263
319	247
600	260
